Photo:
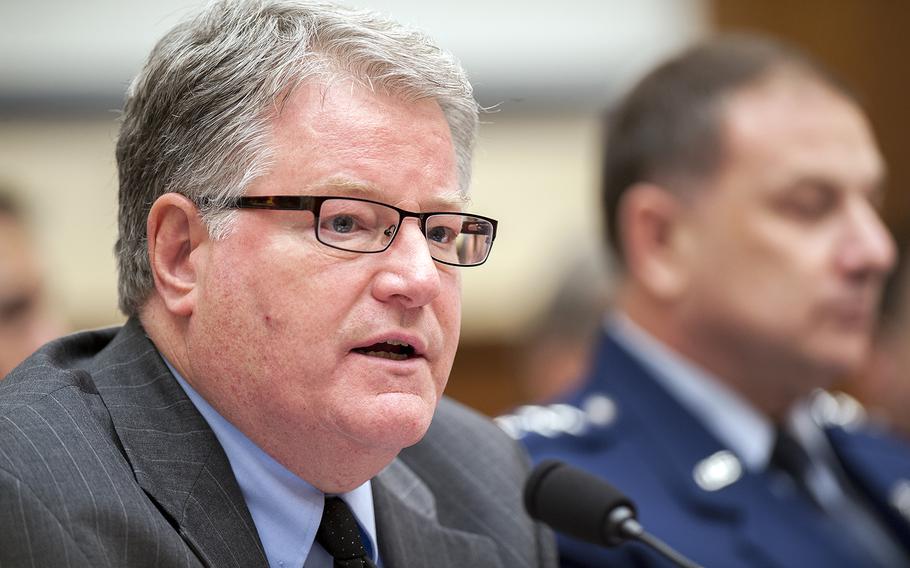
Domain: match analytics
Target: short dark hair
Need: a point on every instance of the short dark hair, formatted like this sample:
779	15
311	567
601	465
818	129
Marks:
668	128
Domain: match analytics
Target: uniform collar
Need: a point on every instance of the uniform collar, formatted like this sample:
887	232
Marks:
725	414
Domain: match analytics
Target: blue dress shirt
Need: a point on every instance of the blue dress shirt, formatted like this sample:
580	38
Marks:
285	508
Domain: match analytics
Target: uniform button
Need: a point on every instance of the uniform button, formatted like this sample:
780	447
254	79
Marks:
717	471
600	410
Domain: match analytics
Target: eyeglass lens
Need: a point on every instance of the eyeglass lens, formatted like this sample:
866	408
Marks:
361	226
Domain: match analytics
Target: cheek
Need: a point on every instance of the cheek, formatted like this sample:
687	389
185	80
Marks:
750	277
290	290
448	312
258	295
448	305
769	256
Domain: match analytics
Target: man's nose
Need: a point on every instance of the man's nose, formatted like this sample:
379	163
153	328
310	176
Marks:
870	247
409	274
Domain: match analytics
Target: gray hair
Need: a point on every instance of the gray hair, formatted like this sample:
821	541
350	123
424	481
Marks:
197	118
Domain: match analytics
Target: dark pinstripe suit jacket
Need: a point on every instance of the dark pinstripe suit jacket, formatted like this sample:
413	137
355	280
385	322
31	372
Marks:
104	461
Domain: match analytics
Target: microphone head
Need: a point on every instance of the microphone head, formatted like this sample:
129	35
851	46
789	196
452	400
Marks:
577	503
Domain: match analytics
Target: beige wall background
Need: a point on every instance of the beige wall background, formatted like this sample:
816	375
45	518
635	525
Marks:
64	171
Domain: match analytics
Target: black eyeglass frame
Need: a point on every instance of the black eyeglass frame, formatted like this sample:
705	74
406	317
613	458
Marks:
313	204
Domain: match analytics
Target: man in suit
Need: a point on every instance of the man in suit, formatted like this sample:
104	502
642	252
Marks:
292	184
742	185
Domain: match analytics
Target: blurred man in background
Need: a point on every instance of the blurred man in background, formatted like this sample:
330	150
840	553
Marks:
26	321
741	185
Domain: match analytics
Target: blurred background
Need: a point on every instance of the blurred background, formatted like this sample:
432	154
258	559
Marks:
546	70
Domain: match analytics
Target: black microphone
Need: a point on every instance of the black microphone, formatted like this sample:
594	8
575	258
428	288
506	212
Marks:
588	508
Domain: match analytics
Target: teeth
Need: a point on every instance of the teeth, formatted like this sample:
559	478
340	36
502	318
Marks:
391	349
387	355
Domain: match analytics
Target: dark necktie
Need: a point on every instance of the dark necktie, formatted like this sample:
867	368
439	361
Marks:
847	515
339	535
789	457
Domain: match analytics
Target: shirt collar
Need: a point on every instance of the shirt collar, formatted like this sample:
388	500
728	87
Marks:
725	414
285	509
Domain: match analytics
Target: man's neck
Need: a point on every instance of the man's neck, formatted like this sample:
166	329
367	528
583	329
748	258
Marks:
741	369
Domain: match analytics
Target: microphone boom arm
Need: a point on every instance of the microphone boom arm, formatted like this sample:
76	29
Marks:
587	507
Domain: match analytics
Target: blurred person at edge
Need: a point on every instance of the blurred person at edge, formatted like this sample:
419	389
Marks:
26	320
553	354
293	178
741	187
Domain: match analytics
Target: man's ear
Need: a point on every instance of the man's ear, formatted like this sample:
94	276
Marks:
176	237
652	230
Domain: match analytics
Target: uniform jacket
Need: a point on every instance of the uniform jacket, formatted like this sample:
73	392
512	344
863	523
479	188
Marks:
104	461
690	490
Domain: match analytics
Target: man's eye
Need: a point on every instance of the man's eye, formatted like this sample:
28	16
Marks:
442	235
811	203
342	224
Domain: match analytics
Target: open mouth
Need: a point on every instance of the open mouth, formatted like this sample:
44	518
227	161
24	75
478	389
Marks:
394	350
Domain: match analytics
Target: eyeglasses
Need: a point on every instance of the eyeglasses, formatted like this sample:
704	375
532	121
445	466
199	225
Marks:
361	225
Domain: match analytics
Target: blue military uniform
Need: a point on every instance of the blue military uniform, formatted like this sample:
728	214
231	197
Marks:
690	490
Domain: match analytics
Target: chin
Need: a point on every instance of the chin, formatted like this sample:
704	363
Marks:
394	421
842	359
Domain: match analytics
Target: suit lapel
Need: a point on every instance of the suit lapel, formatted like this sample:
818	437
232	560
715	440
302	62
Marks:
174	455
878	465
409	532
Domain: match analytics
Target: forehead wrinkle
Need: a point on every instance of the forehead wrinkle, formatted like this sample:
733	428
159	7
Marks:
343	186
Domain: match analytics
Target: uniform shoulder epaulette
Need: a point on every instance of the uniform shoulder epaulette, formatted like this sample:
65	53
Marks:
596	411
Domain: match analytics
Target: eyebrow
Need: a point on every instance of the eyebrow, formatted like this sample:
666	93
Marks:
346	187
874	186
